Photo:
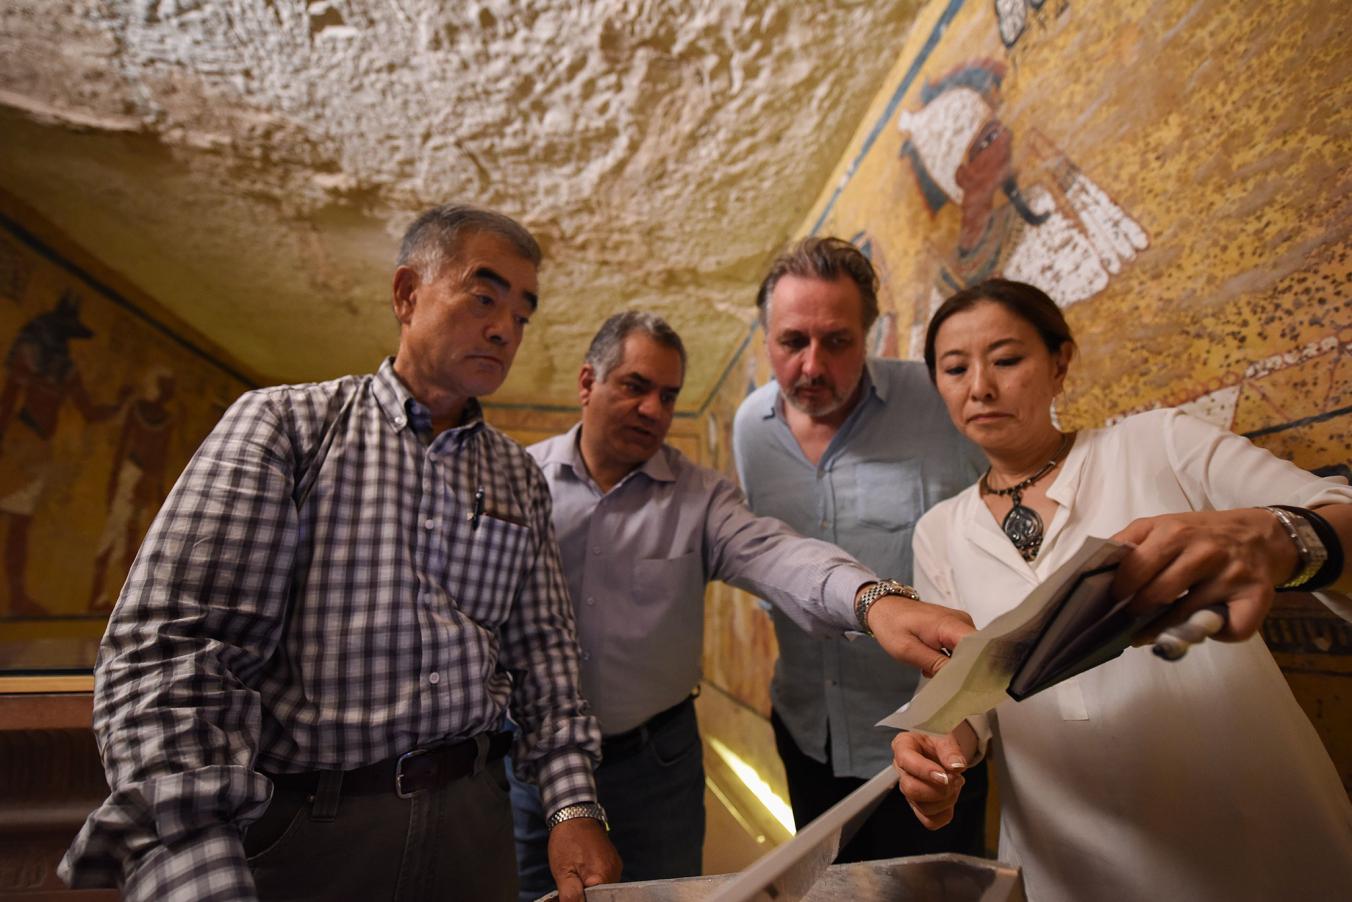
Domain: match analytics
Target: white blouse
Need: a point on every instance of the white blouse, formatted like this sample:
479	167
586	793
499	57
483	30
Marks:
1143	778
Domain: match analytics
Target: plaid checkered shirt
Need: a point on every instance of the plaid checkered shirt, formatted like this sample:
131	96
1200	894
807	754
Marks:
316	594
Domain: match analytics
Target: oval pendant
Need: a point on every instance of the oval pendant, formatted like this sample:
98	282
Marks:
1024	528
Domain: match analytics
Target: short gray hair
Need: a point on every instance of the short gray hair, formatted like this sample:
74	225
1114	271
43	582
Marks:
434	237
607	347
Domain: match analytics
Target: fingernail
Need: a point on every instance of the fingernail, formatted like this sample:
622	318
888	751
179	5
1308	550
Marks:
957	764
939	776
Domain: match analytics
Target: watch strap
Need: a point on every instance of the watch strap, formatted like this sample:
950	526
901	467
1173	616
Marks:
871	595
592	810
1310	550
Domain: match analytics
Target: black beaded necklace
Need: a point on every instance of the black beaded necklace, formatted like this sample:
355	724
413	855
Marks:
1022	524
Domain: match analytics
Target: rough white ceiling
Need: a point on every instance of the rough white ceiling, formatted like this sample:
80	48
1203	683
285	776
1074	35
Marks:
251	163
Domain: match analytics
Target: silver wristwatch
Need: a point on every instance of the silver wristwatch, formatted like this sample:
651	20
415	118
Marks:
1310	550
873	593
582	809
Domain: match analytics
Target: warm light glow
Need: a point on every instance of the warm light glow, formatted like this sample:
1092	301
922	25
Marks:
778	808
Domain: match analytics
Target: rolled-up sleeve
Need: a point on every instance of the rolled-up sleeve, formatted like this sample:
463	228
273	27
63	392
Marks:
1219	470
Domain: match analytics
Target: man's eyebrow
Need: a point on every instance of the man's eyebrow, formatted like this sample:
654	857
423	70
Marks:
645	383
489	274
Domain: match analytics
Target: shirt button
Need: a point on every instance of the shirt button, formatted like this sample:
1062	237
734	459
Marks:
591	600
434	678
586	656
830	682
399	421
429	523
596	549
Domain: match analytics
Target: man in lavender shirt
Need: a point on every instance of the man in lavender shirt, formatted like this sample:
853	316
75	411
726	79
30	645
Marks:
641	530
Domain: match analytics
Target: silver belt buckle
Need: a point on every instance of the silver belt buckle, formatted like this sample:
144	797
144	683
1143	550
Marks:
399	772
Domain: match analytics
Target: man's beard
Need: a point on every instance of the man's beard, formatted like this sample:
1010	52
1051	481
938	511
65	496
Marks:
818	407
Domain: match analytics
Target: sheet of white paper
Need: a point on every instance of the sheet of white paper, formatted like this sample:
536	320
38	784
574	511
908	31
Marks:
975	680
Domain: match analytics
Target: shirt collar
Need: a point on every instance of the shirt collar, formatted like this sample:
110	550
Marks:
564	451
391	394
402	410
568	452
658	467
1067	481
872	384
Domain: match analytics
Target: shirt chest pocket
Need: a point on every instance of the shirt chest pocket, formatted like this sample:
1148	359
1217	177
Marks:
657	580
889	494
486	567
668	598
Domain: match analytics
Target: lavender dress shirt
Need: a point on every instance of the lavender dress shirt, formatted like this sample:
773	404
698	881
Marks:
637	559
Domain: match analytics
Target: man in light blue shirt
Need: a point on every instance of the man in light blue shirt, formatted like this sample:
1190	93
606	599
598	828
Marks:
641	530
851	451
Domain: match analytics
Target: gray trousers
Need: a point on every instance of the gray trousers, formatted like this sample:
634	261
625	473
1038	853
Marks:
449	843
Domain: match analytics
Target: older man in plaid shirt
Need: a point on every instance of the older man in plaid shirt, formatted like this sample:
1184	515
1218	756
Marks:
350	585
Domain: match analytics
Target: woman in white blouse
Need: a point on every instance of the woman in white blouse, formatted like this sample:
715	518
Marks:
1142	778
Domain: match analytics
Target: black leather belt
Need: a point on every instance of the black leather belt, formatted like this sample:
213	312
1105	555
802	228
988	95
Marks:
422	768
630	742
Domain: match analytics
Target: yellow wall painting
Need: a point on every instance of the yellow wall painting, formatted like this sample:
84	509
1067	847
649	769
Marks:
1176	175
101	405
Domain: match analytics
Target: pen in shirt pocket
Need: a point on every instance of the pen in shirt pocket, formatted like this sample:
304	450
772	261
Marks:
478	511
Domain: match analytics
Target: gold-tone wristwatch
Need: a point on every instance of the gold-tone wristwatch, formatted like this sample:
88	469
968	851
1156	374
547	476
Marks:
873	593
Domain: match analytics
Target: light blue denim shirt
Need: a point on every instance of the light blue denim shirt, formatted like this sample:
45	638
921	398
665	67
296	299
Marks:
895	456
637	559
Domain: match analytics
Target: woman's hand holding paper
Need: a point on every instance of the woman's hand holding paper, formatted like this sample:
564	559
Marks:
929	769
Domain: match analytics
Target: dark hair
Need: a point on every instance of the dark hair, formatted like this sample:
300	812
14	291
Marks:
607	346
435	236
1028	302
826	259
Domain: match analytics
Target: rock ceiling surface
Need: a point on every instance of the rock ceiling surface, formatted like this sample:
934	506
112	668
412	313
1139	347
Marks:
250	163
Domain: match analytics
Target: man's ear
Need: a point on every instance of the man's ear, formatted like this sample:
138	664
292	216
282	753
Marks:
586	381
406	283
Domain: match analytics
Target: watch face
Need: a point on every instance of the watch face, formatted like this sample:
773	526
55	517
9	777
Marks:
896	588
